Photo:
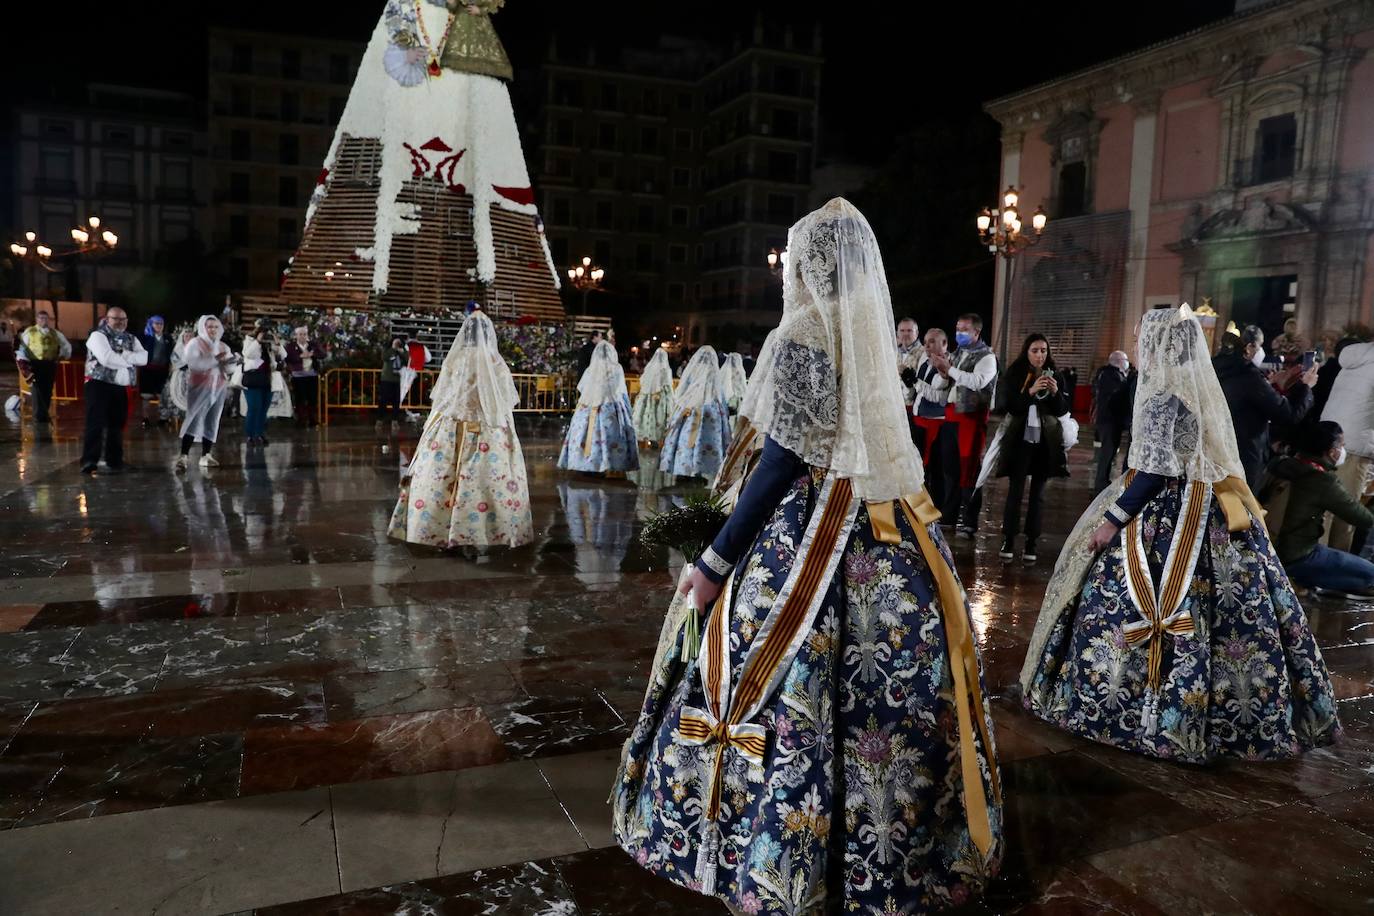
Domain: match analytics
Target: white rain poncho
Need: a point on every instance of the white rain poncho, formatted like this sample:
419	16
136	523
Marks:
733	379
700	382
207	381
475	383
604	380
827	393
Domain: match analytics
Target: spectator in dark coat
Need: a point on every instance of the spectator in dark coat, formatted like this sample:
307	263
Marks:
1108	383
584	356
1253	401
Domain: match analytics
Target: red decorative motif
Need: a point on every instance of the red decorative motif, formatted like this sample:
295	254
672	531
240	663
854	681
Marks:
482	507
516	195
443	169
324	176
483	447
419	503
434	144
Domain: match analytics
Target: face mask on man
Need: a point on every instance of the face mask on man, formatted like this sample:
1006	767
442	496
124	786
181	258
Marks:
1258	358
963	338
1340	457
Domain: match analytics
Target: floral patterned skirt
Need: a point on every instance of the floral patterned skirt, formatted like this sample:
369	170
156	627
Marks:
1249	682
467	487
858	803
613	445
695	443
651	414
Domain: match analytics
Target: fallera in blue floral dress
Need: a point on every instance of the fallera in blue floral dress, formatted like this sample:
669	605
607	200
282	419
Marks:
1247	682
612	445
696	441
856	803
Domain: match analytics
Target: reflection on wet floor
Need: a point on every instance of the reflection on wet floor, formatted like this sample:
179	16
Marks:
239	662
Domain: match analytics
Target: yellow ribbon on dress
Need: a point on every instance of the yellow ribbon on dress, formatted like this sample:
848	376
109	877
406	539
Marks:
1239	504
920	512
464	428
695	415
591	431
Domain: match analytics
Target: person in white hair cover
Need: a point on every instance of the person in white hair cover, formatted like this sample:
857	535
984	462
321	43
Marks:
699	431
601	437
1169	627
208	361
828	749
466	485
655	398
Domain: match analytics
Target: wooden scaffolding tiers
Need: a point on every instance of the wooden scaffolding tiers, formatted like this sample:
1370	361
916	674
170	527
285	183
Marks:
432	268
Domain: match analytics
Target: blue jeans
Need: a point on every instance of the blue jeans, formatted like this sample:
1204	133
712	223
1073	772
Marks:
1334	569
255	423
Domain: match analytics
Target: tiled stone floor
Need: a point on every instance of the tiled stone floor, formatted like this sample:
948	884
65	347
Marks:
229	692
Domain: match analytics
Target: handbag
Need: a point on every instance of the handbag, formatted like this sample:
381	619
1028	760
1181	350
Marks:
258	379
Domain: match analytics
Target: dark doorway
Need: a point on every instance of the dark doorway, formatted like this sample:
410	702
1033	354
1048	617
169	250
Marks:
1261	300
1073	190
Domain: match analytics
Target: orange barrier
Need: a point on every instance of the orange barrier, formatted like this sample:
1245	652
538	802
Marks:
68	384
356	389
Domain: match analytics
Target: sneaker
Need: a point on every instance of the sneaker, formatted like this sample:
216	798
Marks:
208	461
1006	553
181	464
1029	556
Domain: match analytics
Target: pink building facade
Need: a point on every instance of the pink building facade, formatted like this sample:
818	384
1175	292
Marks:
1232	165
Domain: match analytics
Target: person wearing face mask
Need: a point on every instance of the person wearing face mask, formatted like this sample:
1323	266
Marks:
1253	401
1313	489
1352	405
1108	383
113	356
303	358
208	360
972	375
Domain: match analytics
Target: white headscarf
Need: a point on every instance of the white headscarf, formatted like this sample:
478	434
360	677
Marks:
829	395
700	382
733	378
604	380
657	375
759	381
475	383
1182	426
204	334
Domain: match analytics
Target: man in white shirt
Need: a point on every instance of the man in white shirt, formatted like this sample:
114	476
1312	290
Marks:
909	355
972	373
112	358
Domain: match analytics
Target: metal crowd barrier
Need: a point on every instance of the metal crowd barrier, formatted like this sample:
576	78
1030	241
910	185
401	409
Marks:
356	389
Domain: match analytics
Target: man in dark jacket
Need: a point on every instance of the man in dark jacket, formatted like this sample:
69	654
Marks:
584	357
1253	401
1108	383
1313	489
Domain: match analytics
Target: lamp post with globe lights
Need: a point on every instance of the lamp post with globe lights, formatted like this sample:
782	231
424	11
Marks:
90	241
1003	232
95	243
34	254
586	277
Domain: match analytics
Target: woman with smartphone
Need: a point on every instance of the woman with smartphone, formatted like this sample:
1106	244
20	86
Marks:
1033	398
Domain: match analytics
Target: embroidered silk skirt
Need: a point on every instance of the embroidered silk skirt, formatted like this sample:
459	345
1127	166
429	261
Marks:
651	414
601	439
696	440
1247	681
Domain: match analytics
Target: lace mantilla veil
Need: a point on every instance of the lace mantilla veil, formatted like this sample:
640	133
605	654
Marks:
1181	428
475	383
700	382
657	375
830	392
604	380
759	380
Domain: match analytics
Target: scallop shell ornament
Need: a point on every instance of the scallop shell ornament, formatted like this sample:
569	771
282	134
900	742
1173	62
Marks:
405	65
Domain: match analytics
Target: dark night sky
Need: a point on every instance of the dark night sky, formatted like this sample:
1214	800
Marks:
881	75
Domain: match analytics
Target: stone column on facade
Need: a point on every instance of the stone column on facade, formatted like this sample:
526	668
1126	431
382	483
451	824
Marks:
1141	194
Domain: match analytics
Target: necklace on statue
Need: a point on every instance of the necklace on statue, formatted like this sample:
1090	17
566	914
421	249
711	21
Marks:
434	68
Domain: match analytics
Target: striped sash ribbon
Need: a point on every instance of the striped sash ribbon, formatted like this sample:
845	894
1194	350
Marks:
1161	611
730	707
740	449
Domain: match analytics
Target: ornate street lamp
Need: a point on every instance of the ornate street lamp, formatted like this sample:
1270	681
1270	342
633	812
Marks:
777	261
1001	229
35	254
95	243
586	277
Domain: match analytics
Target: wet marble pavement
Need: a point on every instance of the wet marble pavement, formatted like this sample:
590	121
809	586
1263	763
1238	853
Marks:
230	692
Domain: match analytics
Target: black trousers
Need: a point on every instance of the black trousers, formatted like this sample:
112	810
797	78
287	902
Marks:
960	505
1109	434
389	399
107	410
1019	466
44	377
306	391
